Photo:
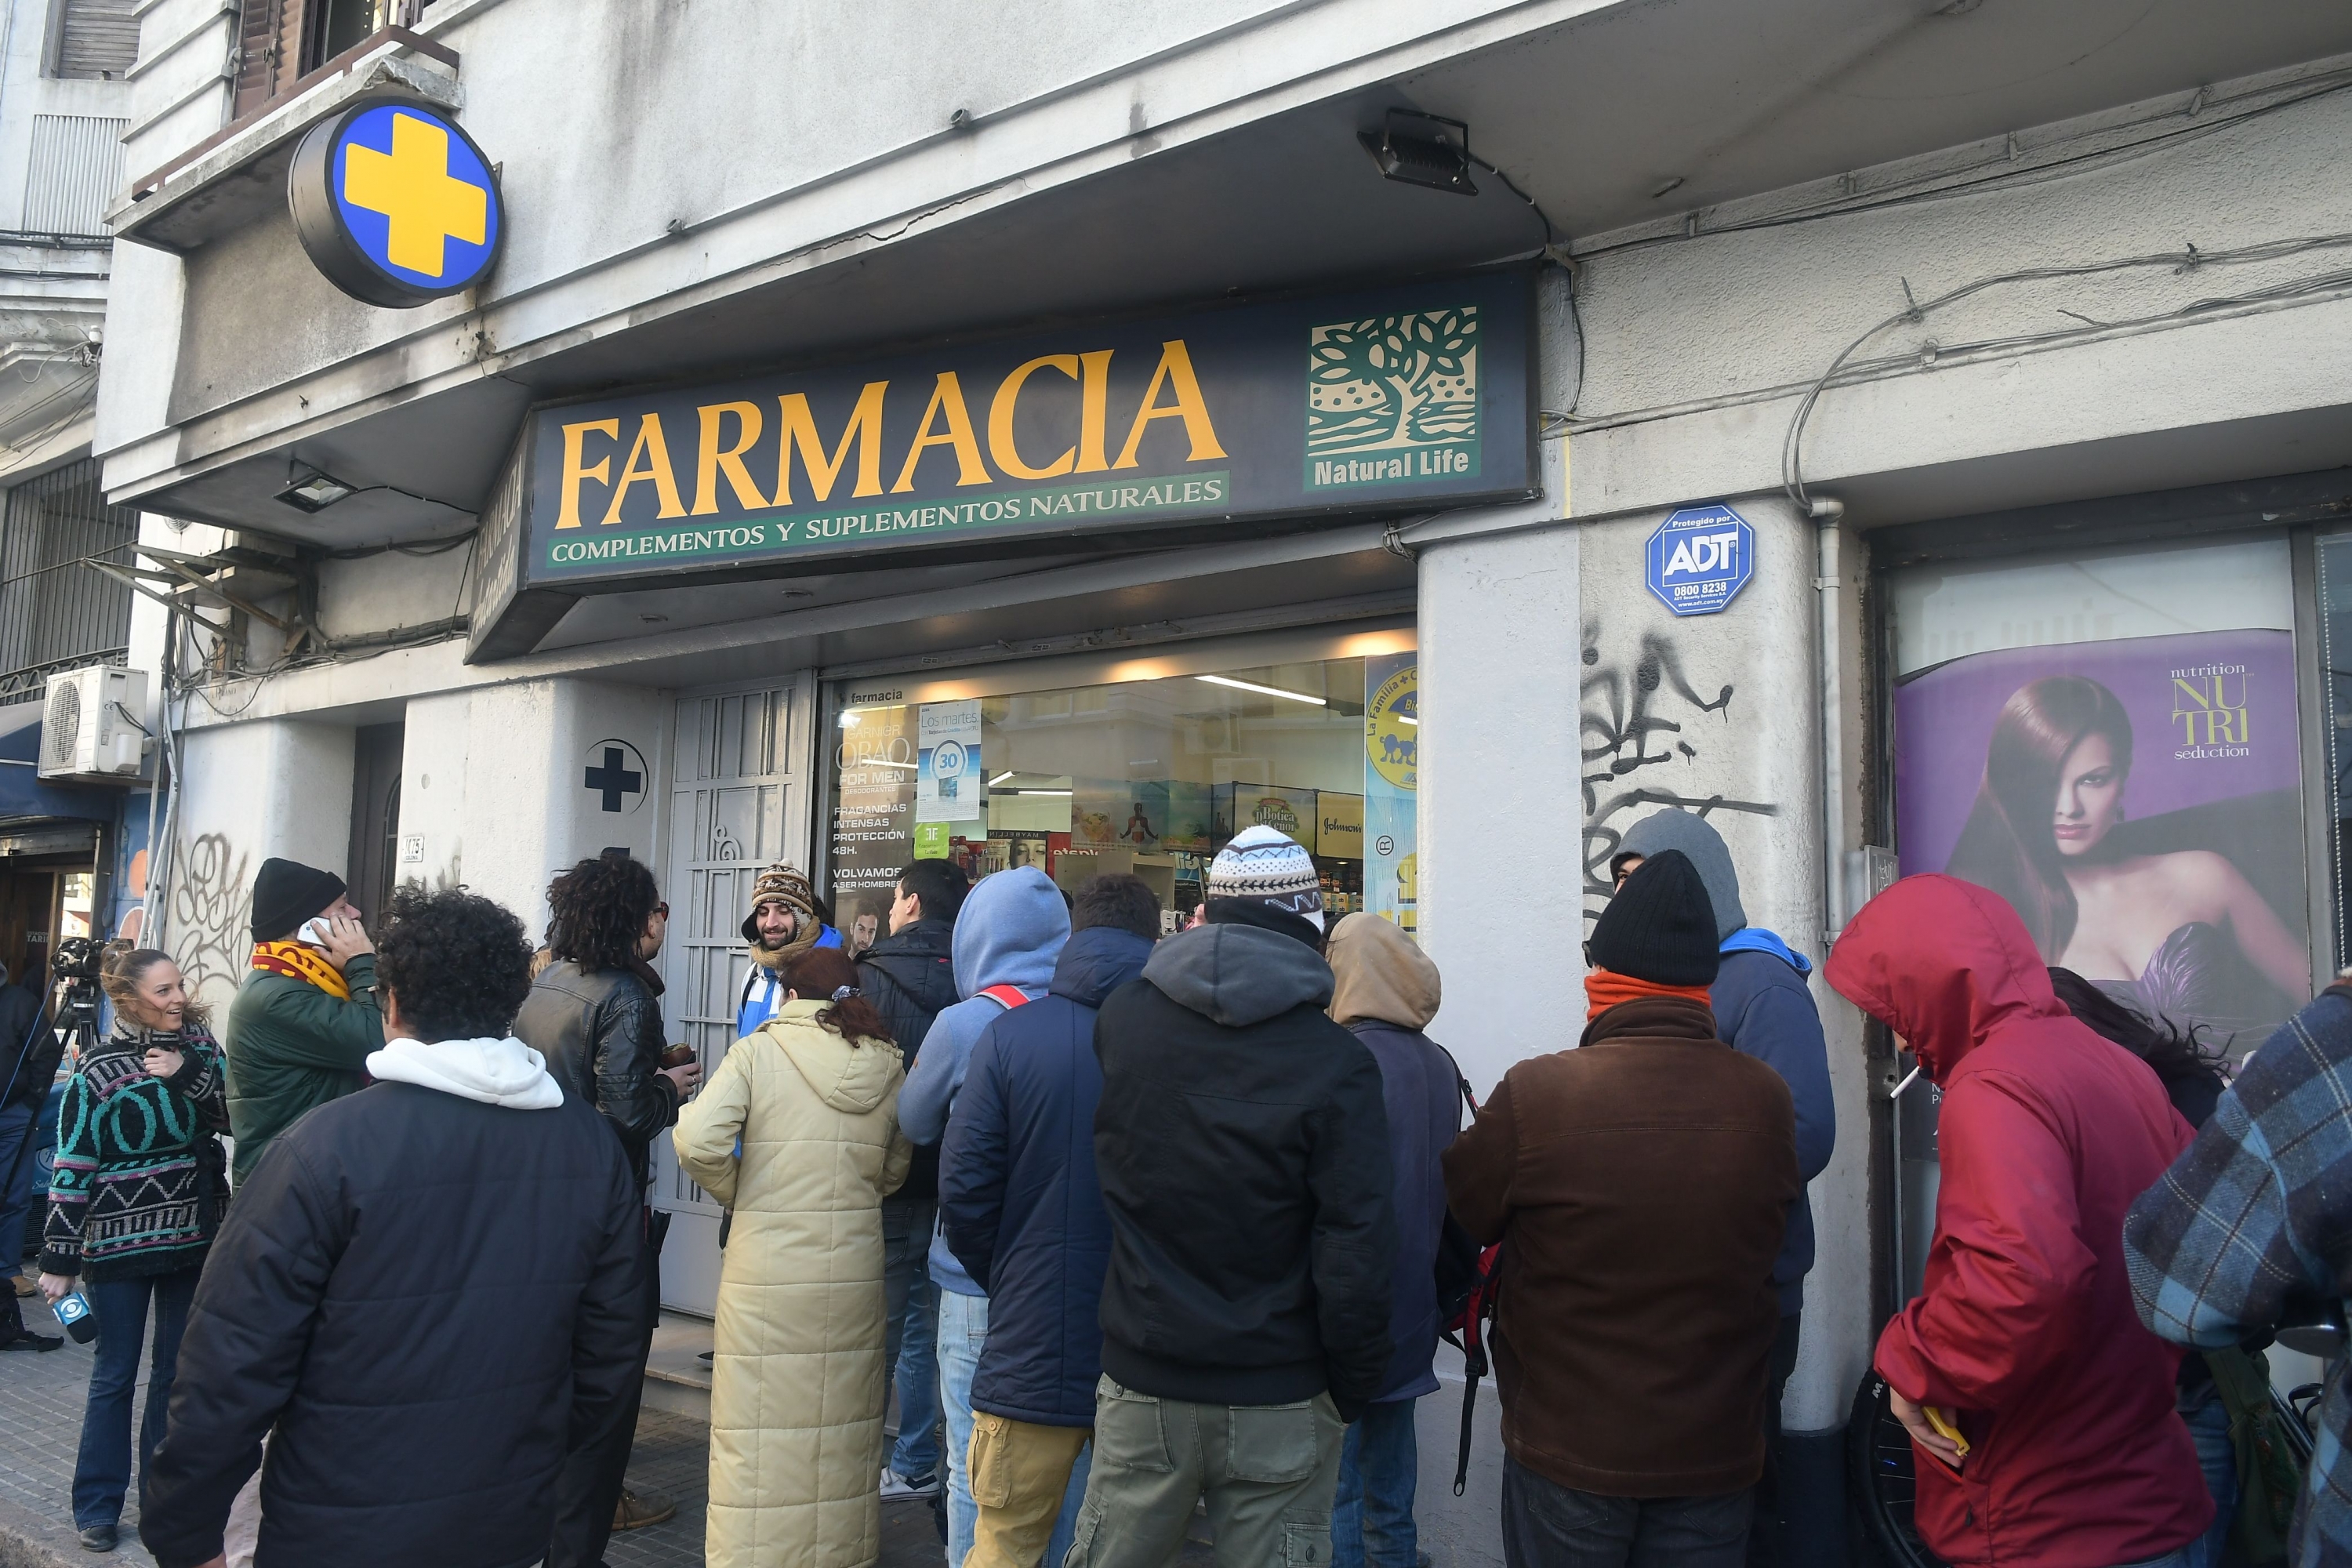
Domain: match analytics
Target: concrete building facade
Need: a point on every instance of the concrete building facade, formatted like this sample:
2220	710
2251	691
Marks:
1984	317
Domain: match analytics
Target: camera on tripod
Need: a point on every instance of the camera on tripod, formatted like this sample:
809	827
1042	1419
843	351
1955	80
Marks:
76	967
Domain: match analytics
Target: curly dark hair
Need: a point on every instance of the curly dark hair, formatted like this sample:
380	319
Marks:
599	910
816	974
458	965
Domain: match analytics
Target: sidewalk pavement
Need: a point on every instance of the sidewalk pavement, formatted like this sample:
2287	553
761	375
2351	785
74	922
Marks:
42	1395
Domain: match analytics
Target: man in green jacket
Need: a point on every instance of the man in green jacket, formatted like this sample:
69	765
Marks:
305	1020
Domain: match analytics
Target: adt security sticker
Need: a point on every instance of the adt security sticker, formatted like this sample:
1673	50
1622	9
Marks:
1699	559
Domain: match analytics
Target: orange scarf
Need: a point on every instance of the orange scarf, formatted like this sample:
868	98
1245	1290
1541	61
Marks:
297	960
1605	988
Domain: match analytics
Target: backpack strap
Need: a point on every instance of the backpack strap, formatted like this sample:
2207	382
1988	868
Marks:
1006	996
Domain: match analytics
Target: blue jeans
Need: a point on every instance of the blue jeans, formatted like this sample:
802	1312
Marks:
2184	1558
1380	1463
102	1473
17	1140
910	1337
963	1330
2208	1428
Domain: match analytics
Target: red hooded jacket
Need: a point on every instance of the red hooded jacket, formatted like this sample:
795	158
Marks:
2026	1326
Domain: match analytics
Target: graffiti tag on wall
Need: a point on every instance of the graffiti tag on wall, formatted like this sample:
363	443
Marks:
1648	735
211	917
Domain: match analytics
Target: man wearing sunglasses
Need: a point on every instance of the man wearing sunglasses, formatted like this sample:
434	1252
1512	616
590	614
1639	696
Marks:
595	1014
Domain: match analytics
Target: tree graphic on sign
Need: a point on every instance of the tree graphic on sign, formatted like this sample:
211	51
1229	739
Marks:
1392	381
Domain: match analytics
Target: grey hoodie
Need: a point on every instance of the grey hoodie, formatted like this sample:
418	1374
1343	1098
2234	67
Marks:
1238	975
1675	828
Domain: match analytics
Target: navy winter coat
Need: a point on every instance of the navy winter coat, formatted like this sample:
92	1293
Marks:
1019	1202
1764	1010
1418	1085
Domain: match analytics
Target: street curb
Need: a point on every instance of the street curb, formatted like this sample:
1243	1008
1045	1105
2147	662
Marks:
29	1539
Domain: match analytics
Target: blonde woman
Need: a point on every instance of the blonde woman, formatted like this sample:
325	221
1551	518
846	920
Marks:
797	1132
135	1204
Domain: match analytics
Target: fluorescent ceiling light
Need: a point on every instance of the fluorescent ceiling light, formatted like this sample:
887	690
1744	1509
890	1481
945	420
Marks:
1403	720
1268	690
1000	778
878	763
1062	792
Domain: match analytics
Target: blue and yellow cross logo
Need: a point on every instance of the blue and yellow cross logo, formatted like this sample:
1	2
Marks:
415	197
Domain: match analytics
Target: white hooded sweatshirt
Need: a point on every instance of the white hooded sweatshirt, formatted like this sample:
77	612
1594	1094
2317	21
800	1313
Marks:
495	1072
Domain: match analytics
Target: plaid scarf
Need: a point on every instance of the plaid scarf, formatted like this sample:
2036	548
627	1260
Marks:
297	961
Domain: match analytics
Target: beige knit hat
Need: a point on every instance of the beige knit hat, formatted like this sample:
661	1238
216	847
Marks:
787	885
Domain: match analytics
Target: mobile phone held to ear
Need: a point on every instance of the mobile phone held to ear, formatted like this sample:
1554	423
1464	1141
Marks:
313	932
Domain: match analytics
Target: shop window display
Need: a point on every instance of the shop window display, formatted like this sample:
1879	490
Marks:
1149	776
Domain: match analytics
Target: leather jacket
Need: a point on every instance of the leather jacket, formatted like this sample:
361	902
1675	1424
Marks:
601	1032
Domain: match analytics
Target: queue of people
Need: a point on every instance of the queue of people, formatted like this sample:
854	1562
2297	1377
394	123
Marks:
1138	1226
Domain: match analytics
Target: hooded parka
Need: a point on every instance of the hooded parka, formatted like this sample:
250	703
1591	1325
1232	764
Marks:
796	1385
2025	1327
1019	1202
1385	990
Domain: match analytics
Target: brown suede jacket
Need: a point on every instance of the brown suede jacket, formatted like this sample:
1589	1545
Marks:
1639	1185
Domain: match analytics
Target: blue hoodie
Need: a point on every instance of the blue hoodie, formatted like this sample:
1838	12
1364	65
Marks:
1763	1009
1010	932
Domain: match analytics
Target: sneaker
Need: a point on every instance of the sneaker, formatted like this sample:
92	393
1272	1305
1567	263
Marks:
637	1509
897	1488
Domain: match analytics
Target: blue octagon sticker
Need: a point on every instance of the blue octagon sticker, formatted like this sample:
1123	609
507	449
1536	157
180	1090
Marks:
1699	559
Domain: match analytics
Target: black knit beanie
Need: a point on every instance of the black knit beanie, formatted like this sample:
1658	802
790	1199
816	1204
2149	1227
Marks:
1660	927
287	893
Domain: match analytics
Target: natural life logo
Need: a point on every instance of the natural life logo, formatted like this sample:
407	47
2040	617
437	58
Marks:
1392	398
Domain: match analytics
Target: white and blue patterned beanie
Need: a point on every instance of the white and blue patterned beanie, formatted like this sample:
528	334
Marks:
1270	868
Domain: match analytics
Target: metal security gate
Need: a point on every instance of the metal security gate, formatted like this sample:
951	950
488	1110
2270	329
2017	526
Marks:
739	801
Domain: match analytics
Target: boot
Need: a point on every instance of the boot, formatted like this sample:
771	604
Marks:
15	1335
637	1509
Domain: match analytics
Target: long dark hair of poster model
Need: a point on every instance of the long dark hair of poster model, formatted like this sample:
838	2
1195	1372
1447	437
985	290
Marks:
2007	844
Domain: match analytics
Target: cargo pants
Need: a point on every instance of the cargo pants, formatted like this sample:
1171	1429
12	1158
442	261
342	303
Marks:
1267	1474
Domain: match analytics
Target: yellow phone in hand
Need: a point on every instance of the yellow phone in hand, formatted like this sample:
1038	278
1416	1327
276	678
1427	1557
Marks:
1942	1423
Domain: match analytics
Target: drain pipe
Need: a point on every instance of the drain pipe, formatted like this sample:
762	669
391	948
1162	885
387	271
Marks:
1828	583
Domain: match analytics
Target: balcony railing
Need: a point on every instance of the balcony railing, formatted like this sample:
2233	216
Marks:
55	612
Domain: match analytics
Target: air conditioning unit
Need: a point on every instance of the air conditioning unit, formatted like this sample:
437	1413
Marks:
90	726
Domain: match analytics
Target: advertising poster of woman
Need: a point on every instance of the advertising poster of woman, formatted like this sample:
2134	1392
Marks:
2137	802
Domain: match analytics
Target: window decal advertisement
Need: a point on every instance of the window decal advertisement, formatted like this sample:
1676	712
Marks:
2137	802
1392	782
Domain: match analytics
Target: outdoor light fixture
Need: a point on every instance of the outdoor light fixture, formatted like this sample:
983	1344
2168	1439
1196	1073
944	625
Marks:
1268	691
316	493
1425	149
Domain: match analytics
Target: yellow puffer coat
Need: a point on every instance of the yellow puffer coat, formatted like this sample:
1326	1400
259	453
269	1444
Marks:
796	1389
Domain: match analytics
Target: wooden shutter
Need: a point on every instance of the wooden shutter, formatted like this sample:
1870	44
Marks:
97	38
269	55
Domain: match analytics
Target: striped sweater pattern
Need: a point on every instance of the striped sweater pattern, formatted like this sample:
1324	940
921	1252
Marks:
138	1186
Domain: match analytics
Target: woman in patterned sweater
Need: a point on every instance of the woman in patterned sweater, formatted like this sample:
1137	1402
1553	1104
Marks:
133	1205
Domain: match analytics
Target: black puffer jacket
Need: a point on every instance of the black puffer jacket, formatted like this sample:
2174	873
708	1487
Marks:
1242	1147
433	1300
601	1032
909	977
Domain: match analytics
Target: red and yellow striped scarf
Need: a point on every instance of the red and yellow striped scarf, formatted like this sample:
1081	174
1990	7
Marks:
298	962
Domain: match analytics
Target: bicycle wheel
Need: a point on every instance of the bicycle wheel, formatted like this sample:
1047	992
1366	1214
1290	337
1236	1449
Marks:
1878	1457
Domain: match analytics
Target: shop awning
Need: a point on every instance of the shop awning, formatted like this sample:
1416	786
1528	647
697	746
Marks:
23	795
